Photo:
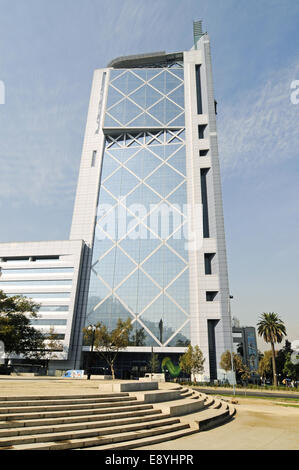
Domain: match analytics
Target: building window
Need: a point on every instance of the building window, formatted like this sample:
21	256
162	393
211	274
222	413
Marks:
211	295
25	271
53	308
201	131
93	159
30	282
43	295
208	263
198	89
204	199
48	321
203	153
212	348
54	336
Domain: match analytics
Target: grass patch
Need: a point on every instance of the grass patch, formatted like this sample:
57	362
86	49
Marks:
286	399
264	388
287	405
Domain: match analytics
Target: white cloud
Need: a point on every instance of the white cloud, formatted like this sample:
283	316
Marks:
260	126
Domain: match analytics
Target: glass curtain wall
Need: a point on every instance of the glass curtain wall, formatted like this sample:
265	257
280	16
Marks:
140	257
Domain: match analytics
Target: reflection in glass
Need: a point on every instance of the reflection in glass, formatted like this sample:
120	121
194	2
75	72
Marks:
163	318
182	339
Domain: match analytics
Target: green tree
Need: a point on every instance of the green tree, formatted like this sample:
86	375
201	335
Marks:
192	362
226	363
259	355
290	370
245	373
281	357
16	332
239	367
108	343
272	329
265	365
52	346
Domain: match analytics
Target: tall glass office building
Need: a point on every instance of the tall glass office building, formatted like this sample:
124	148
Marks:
149	206
148	209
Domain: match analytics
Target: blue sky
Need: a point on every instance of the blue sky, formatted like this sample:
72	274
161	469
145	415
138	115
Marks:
48	51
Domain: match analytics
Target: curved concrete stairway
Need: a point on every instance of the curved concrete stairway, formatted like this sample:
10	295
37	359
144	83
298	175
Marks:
124	420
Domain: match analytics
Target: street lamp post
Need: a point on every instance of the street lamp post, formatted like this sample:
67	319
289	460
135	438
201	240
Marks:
92	329
232	348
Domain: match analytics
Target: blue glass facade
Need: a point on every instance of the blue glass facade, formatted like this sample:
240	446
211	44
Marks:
139	261
145	98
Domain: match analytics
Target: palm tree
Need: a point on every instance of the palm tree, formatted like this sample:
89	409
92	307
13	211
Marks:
272	330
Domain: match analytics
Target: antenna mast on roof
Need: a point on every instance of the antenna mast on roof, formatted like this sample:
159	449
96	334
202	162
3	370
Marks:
197	31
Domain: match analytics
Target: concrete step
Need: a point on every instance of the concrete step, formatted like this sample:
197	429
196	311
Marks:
98	437
107	421
159	396
145	441
20	424
131	386
61	397
116	408
209	401
65	401
83	432
181	407
213	417
76	426
197	395
187	393
232	410
217	404
121	401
